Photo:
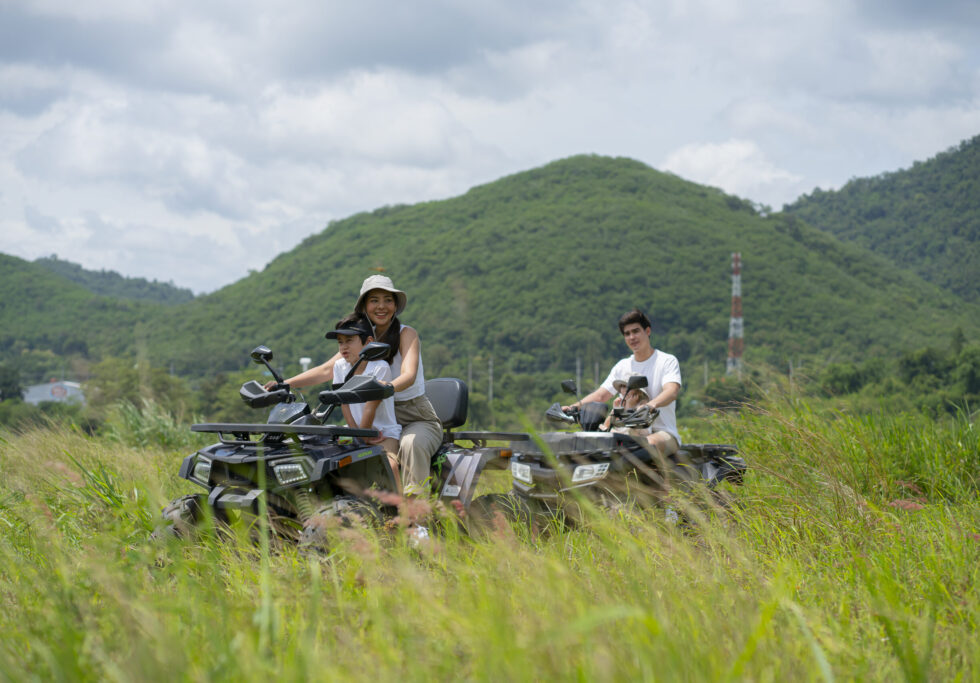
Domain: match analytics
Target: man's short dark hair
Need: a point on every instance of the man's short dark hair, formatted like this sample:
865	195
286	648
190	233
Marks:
634	316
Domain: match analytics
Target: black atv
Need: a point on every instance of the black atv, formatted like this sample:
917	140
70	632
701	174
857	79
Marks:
297	468
554	473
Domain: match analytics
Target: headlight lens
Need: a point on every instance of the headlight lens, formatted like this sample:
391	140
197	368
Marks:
202	469
289	473
521	472
587	472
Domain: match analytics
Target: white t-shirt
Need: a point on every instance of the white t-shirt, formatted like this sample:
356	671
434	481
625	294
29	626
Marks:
384	416
660	368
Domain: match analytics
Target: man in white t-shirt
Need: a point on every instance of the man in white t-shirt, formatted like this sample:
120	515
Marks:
662	372
352	333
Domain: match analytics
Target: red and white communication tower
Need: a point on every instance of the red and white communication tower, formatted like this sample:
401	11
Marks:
734	364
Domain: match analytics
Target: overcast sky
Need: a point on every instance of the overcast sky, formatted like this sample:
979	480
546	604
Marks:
193	141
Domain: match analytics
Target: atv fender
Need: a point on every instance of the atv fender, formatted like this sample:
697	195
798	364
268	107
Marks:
465	468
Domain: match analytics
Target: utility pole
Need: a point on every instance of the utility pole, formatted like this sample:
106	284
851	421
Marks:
735	327
578	373
490	390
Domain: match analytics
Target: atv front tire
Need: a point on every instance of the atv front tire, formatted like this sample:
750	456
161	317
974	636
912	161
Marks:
341	512
486	512
180	518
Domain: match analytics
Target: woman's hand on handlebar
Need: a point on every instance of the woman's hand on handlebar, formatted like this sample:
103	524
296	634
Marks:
272	385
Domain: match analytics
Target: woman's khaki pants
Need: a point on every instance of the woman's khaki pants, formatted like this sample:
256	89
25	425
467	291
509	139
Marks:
421	437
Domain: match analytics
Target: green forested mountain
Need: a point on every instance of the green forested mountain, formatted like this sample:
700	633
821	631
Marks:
533	270
112	284
925	218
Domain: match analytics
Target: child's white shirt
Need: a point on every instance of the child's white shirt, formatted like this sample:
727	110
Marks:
384	416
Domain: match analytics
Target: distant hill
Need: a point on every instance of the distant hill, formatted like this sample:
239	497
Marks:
42	311
112	284
532	270
926	218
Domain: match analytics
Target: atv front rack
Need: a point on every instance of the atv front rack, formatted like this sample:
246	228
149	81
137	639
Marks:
481	438
242	432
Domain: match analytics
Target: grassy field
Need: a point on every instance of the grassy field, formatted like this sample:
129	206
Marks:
853	553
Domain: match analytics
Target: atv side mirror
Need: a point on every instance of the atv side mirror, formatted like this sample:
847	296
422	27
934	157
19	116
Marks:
261	354
374	351
569	386
637	382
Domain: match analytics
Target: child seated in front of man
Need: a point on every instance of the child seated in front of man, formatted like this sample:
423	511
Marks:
634	398
352	333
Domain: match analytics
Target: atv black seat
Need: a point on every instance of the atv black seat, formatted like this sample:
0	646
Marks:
450	398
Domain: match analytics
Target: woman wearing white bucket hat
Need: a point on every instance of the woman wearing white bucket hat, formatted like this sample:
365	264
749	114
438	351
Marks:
381	303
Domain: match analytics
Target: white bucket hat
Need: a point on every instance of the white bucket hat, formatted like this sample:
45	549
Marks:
381	282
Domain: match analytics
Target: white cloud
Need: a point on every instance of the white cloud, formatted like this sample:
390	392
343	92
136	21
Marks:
100	10
738	167
146	136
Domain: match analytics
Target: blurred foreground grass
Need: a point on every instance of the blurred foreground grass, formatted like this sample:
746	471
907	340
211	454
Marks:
853	553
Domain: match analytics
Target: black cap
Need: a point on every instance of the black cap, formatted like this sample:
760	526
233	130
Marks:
351	328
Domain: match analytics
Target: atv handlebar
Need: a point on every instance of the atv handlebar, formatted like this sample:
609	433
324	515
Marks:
635	417
359	389
256	396
589	415
558	415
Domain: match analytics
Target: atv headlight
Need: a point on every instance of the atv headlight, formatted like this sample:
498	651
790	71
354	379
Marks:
289	473
521	471
587	472
202	469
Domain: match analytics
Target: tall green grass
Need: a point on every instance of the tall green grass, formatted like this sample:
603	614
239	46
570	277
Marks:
852	553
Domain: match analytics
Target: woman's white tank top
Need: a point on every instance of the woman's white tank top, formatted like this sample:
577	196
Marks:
418	387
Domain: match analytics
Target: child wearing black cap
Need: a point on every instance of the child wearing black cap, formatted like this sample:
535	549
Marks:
352	333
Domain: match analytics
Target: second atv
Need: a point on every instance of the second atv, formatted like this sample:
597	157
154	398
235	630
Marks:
554	473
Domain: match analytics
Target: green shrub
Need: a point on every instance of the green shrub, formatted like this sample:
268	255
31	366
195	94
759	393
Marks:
149	426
